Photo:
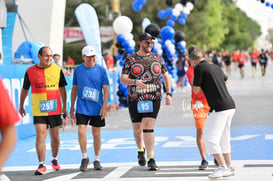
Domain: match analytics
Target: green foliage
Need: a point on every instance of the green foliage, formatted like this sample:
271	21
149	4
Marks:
213	24
74	51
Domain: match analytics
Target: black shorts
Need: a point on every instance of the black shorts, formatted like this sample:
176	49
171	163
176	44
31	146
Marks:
263	64
137	117
94	121
50	121
253	64
241	66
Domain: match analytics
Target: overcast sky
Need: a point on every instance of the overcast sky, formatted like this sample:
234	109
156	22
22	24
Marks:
259	12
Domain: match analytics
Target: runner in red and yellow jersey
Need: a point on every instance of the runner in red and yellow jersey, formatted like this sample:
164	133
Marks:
8	118
47	84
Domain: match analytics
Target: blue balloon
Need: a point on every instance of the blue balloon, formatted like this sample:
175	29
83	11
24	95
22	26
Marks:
267	3
141	1
167	33
169	11
161	14
272	6
170	23
181	21
136	6
125	44
183	15
173	17
120	37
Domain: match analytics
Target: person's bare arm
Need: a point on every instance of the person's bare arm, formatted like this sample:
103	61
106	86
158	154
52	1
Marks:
23	96
103	111
7	143
196	89
73	99
167	82
63	96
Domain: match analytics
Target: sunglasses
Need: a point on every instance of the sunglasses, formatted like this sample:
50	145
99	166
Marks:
148	42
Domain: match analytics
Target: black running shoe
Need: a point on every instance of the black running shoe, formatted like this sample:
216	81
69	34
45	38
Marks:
215	162
97	165
84	164
152	165
204	165
141	158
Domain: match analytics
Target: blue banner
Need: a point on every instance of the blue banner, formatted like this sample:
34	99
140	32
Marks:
88	21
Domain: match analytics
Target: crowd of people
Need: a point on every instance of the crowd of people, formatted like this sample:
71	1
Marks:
212	106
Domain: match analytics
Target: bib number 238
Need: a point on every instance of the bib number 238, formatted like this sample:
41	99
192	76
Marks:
144	106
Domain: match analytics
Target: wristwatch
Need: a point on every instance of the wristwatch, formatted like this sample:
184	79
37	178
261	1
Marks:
170	94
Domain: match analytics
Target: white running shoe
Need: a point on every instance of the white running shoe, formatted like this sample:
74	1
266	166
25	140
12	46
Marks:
221	172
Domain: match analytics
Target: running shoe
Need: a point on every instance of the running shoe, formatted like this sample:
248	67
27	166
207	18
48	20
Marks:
231	171
41	170
84	164
55	165
221	172
97	165
204	165
152	165
141	158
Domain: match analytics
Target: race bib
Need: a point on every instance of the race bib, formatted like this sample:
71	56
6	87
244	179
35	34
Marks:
144	106
90	94
48	105
254	60
262	60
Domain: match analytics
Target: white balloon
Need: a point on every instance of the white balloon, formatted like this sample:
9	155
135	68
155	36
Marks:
168	42
128	36
179	7
175	12
184	43
132	43
189	5
186	11
122	25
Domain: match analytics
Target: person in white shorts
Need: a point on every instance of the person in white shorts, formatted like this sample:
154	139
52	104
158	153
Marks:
211	80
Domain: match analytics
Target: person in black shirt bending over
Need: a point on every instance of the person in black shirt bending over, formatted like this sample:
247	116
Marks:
210	79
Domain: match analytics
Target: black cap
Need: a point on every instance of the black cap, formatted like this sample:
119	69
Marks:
145	36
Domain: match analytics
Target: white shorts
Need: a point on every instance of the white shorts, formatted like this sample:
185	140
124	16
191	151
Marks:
217	132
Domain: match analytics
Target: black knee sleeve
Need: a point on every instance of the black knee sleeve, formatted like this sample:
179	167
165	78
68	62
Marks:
148	130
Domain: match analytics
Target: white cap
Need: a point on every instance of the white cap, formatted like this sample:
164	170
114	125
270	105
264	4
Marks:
88	51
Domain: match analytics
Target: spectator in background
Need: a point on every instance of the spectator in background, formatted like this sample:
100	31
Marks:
181	72
227	61
109	60
56	59
8	118
70	61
